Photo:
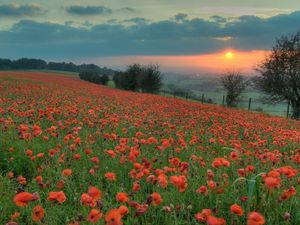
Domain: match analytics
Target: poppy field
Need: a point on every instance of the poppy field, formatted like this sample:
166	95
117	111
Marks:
72	152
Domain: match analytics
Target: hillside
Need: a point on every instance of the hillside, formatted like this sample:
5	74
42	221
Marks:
72	152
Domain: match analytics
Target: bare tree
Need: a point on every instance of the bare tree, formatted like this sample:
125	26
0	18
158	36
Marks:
279	73
234	85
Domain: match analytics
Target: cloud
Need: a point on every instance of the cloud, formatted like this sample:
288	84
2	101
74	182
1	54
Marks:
136	20
16	10
141	37
180	16
127	10
88	10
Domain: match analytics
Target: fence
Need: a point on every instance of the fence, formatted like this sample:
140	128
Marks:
249	103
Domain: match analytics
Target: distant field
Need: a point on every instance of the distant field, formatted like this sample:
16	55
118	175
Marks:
212	89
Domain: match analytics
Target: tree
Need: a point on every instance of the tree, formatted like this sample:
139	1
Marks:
93	76
151	80
117	78
139	78
279	73
131	79
234	85
5	64
104	79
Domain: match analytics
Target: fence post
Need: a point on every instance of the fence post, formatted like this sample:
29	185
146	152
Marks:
202	99
288	110
223	102
249	104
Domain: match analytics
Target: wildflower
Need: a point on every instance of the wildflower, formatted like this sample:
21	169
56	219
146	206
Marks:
123	210
203	215
38	213
211	220
203	190
57	196
94	216
255	218
236	209
180	182
122	197
111	176
87	200
95	193
113	217
157	199
23	198
67	172
288	193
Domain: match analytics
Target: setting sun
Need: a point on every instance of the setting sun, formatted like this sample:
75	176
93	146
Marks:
229	55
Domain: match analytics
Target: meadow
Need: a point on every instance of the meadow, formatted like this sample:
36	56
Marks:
210	86
73	152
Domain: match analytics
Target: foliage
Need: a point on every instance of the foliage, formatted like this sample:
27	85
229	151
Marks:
234	85
94	77
38	64
151	81
279	73
139	78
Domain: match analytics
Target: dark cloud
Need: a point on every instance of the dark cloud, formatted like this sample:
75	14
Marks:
88	10
127	9
189	36
137	20
16	10
218	19
180	16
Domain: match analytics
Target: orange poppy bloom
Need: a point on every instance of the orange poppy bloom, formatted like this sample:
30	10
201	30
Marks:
22	180
60	184
122	197
236	209
110	176
67	172
255	218
136	187
113	217
157	199
87	200
57	196
123	210
180	182
272	182
38	213
94	216
203	215
95	193
15	216
39	179
211	220
23	198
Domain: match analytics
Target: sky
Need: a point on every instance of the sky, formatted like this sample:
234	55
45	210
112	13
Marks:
190	36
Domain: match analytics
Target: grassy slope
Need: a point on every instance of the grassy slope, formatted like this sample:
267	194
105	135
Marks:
154	116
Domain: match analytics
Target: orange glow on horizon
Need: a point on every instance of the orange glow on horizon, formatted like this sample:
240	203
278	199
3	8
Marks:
244	61
229	55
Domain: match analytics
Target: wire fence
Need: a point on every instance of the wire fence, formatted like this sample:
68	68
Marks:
248	103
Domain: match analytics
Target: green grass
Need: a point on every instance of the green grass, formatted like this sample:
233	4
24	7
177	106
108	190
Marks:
93	113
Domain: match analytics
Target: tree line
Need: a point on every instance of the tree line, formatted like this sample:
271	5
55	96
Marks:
39	64
94	77
147	79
